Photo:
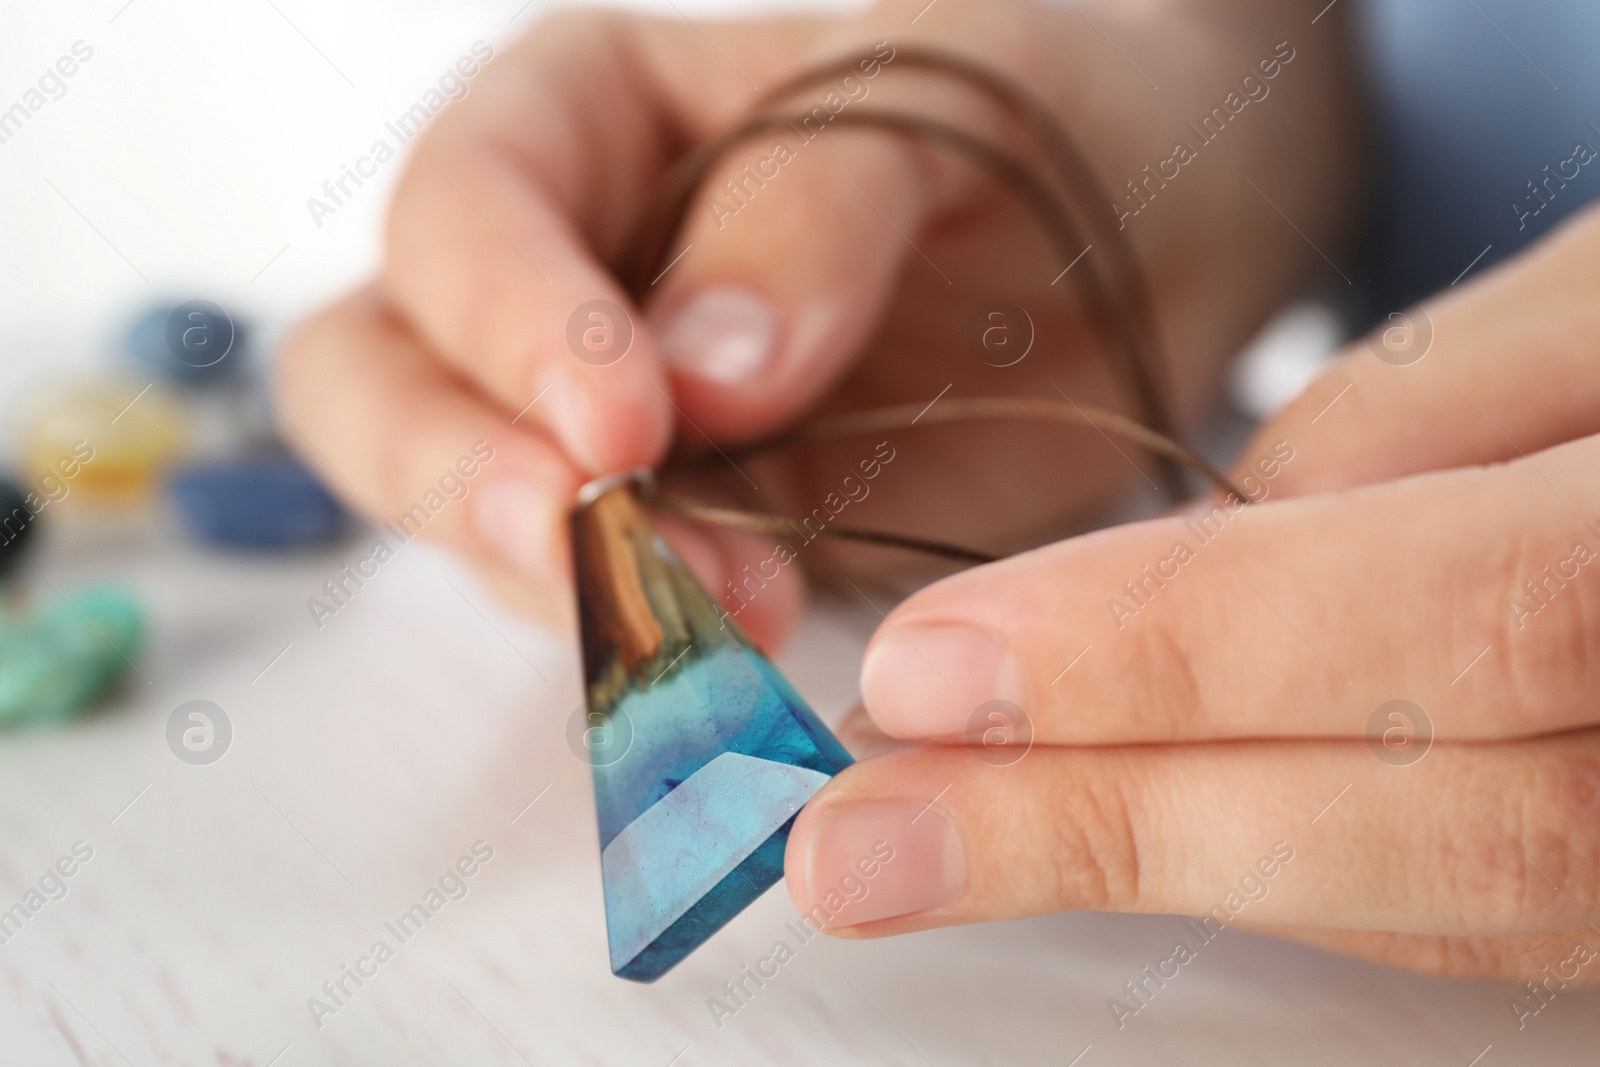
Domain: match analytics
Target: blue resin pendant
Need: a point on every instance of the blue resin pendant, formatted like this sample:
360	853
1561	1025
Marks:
702	752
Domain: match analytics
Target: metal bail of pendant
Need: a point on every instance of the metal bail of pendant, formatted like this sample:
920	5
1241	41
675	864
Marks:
702	752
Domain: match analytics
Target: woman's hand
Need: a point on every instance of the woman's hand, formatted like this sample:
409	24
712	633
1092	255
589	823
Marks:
519	196
1212	698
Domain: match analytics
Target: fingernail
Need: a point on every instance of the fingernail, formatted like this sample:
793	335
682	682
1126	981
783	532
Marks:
881	859
521	524
727	333
926	681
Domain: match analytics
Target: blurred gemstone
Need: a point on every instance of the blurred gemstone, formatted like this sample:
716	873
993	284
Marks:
59	658
195	343
16	525
718	752
258	502
100	439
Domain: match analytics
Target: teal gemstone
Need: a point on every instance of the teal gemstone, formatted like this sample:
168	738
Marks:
58	660
702	752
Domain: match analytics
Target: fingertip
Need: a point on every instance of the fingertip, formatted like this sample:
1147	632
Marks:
930	680
794	855
605	424
524	523
854	862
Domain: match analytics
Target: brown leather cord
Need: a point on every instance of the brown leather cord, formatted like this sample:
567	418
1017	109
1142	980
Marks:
963	409
1085	194
1132	314
761	522
1118	306
904	416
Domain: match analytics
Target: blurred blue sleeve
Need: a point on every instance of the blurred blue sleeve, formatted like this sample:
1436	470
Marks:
1480	109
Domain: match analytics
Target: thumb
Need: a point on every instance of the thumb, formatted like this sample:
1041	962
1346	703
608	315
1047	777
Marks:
793	247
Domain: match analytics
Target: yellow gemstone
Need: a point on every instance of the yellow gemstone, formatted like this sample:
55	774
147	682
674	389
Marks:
106	440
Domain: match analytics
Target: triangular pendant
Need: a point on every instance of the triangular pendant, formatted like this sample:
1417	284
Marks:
702	752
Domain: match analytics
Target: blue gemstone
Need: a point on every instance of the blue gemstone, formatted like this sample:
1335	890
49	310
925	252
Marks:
261	502
702	752
195	343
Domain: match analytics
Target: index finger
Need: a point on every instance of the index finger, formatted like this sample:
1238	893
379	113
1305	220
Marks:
1287	619
498	227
